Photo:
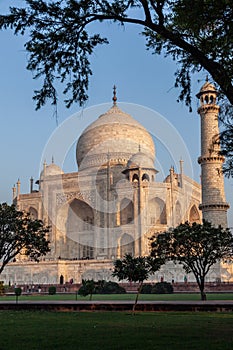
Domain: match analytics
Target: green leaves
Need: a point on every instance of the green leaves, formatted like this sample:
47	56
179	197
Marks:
59	46
197	35
19	234
87	288
196	246
135	269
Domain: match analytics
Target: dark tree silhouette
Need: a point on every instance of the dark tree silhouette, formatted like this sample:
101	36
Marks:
136	269
197	247
197	35
19	234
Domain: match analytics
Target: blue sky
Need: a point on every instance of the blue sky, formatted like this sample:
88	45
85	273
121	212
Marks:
141	78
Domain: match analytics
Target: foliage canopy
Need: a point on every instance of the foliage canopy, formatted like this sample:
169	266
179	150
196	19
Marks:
197	247
20	235
136	269
197	35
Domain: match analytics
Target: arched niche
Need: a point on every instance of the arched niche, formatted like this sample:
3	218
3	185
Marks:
135	178
157	211
145	177
126	212
126	245
75	235
178	213
33	213
80	216
194	215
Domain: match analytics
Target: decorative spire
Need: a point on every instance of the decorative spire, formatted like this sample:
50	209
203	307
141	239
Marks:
207	78
31	184
52	159
181	166
14	192
18	188
114	95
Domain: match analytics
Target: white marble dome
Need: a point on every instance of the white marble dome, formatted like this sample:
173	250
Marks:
140	160
115	136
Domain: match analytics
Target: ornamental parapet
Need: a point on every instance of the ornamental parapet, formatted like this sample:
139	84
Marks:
207	159
220	206
208	107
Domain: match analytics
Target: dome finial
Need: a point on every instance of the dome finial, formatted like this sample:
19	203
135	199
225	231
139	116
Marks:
114	95
207	78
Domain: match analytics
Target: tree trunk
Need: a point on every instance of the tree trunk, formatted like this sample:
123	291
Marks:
202	287
136	300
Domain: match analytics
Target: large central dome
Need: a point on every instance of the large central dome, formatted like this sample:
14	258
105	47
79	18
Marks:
115	136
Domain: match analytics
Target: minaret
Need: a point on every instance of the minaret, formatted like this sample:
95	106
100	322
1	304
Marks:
214	207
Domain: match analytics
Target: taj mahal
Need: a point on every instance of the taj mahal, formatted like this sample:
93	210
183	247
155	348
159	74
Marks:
113	204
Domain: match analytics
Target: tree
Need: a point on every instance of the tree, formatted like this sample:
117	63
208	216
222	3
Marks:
136	269
18	292
87	288
20	235
197	247
198	35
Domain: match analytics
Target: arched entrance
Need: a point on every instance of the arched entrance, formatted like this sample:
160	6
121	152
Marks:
126	245
194	215
126	212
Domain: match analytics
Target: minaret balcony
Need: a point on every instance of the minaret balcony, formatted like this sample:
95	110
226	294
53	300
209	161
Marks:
220	206
212	159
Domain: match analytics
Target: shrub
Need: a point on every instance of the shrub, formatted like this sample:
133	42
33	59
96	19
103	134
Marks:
52	290
146	288
162	288
18	291
104	287
2	288
87	288
90	287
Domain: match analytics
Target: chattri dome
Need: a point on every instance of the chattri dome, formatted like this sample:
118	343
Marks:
114	137
208	87
140	160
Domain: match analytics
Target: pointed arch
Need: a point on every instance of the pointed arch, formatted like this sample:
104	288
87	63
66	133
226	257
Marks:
126	245
33	213
194	215
126	211
157	212
135	178
81	214
75	235
145	177
178	213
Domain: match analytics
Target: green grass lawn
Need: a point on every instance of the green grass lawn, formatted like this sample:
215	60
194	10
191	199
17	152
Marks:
115	331
195	296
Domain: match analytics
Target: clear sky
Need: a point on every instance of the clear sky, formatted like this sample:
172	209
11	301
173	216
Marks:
141	78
